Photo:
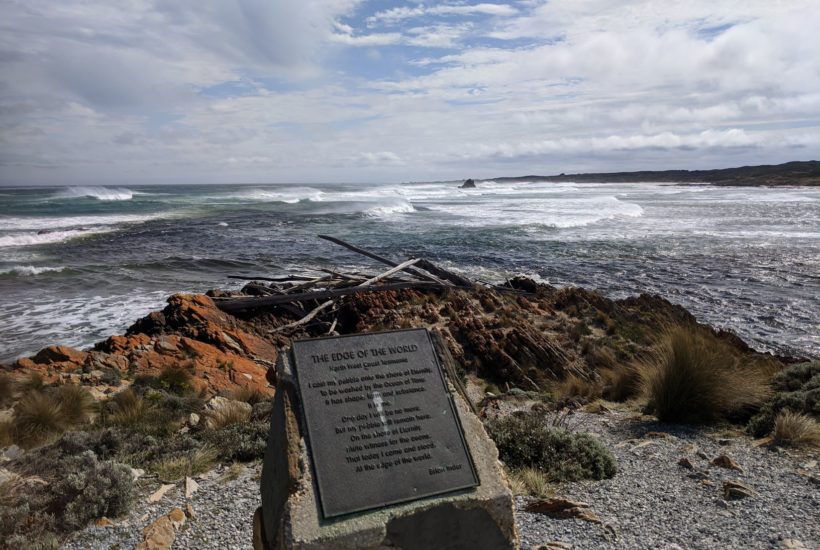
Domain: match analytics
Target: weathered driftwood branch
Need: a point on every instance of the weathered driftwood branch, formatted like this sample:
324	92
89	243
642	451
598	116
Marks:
378	258
304	320
244	303
271	279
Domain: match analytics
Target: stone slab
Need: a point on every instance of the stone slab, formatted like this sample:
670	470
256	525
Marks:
381	425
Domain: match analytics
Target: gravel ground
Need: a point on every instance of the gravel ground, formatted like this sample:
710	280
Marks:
651	503
223	514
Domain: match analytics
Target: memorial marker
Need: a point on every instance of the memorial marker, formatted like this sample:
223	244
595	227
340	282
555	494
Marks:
381	424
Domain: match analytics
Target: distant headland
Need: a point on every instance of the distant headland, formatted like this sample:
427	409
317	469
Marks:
805	173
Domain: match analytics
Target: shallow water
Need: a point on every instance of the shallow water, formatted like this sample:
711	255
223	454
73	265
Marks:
78	264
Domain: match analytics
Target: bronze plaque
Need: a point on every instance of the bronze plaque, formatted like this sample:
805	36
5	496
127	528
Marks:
381	424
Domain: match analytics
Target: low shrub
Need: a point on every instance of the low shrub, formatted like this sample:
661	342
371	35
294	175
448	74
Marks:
89	489
797	389
176	380
527	441
6	433
694	377
796	430
38	418
242	442
79	488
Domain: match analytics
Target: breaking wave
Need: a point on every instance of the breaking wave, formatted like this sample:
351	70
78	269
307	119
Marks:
99	193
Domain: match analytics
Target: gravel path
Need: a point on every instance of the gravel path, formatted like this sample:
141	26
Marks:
651	503
223	514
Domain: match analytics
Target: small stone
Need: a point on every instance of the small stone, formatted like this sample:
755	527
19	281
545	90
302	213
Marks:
735	490
698	475
810	465
555	545
159	535
137	473
12	452
792	544
177	517
159	493
725	441
686	463
191	487
103	522
189	511
722	503
193	420
725	461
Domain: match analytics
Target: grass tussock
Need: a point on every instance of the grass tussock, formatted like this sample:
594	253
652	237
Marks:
6	433
796	430
76	403
231	412
694	377
38	419
528	441
8	389
530	481
574	387
621	382
251	396
126	408
192	463
32	382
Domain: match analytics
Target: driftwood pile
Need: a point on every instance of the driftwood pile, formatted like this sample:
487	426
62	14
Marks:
315	299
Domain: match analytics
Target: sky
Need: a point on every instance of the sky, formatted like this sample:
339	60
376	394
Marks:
217	91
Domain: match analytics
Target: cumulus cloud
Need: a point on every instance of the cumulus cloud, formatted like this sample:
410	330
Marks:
252	90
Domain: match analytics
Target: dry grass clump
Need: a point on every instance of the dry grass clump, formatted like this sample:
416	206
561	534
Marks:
530	481
8	389
33	382
576	387
249	395
177	467
6	433
38	418
76	403
127	408
621	382
694	377
231	412
796	430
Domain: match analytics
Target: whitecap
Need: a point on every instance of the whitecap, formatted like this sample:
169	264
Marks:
99	193
33	239
30	270
391	209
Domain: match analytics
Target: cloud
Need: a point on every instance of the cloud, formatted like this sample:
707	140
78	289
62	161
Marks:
395	15
254	90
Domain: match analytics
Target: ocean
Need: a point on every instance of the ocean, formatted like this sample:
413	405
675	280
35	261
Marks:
78	264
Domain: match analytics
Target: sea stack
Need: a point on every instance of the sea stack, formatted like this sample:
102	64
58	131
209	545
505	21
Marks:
468	184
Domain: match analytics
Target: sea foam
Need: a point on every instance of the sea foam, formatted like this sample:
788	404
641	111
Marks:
99	193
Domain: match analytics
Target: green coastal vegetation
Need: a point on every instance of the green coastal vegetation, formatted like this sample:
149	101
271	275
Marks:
790	173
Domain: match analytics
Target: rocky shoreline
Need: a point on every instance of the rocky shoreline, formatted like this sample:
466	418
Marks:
540	348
